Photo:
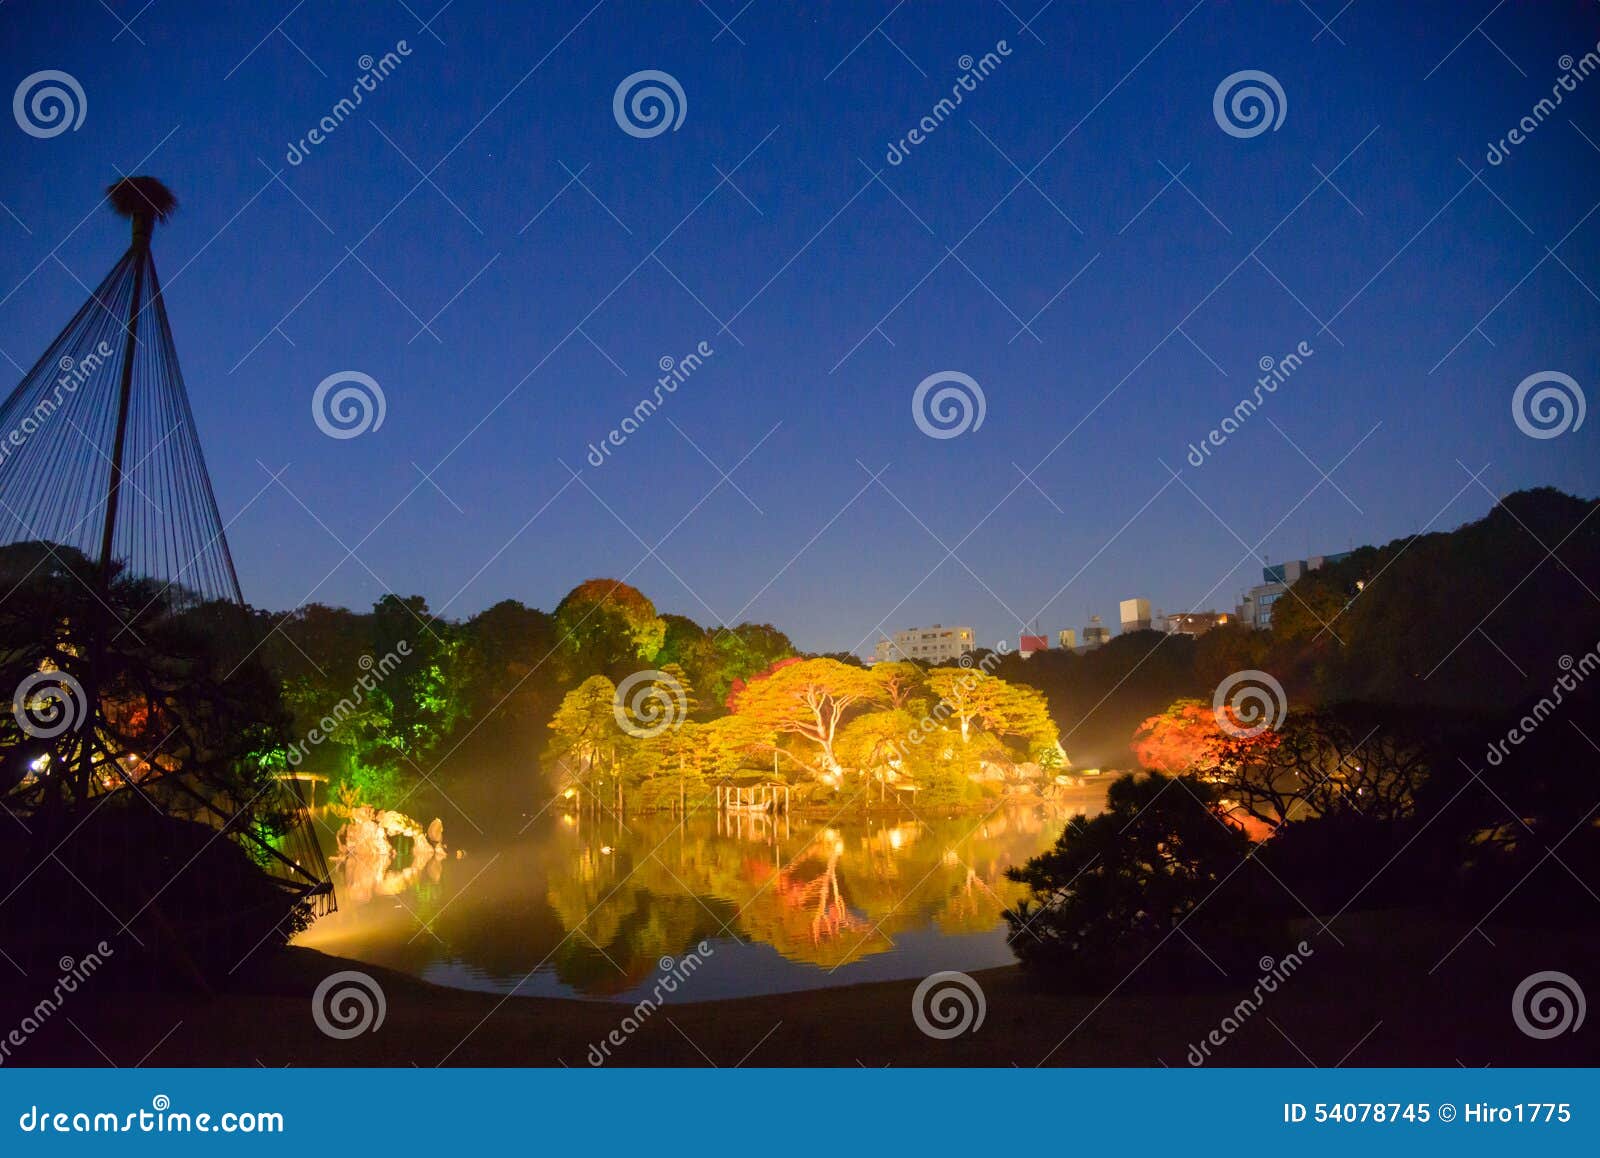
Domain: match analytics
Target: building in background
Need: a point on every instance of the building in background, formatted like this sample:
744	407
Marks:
1255	606
1067	638
1028	644
1096	634
1194	622
1135	615
936	644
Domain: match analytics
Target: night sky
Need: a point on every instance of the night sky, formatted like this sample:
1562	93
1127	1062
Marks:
1080	236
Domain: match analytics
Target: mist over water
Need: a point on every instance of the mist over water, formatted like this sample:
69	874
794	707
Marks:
597	906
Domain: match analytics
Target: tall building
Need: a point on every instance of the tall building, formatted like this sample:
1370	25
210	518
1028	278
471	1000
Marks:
1068	638
936	644
1255	606
1096	633
1135	615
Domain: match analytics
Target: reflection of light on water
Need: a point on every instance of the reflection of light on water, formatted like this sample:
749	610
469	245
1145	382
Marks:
583	908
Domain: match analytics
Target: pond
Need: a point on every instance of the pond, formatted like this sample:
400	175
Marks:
593	907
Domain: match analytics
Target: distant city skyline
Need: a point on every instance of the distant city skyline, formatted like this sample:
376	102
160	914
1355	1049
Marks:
1084	265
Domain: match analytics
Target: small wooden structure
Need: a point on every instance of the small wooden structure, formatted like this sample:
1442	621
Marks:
312	779
753	798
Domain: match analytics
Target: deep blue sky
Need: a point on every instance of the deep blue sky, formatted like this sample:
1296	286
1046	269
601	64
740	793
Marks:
1119	96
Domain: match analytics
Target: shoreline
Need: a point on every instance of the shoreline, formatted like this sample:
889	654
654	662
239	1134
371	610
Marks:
1372	1001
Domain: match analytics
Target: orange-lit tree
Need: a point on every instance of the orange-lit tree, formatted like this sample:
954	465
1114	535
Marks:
809	700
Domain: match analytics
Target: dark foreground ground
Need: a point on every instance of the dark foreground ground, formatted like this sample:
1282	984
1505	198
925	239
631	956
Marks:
1371	1002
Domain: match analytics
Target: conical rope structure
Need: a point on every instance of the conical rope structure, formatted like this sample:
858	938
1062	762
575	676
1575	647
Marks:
122	622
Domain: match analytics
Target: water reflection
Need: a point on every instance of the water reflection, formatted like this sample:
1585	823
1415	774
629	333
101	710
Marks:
588	907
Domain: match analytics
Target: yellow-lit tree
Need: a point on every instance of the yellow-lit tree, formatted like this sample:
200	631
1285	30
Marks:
810	700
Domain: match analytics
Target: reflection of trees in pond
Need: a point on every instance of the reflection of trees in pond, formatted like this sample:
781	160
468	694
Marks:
599	903
820	895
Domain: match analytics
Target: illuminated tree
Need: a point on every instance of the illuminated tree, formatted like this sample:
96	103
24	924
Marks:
692	648
961	695
1012	710
742	652
584	728
901	680
876	743
977	699
809	699
1181	739
605	625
